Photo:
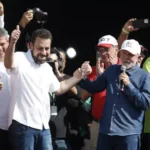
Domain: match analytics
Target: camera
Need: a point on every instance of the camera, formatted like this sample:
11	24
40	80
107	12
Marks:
52	64
39	15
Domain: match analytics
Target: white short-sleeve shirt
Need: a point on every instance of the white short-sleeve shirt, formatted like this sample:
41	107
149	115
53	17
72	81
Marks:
30	85
4	97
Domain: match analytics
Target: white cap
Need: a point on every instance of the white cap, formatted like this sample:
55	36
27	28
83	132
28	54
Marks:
131	46
107	41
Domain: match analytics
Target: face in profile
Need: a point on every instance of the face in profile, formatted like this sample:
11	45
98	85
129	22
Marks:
63	56
4	42
40	50
54	58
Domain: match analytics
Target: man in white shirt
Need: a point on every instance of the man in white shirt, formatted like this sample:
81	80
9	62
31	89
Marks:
5	92
31	80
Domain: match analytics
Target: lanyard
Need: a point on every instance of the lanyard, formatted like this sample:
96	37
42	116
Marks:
52	99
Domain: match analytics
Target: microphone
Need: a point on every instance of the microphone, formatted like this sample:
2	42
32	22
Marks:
123	69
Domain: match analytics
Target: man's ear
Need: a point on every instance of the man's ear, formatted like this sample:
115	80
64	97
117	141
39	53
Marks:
140	57
31	46
116	50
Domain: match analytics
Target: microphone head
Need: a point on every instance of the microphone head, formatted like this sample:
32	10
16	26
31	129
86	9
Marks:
123	68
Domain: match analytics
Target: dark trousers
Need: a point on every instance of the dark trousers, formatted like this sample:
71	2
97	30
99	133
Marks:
25	138
145	145
4	142
130	142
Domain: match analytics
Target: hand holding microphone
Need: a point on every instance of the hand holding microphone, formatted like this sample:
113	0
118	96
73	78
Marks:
124	79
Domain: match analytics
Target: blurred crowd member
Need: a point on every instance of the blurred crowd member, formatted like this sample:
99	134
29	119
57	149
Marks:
84	122
31	81
1	15
5	92
107	49
122	119
143	57
146	129
66	110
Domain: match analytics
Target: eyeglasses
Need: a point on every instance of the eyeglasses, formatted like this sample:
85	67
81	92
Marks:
103	50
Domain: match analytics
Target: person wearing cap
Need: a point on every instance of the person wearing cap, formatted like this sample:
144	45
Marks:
107	49
126	30
122	118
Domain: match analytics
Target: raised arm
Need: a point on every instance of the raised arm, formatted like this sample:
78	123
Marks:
9	55
23	42
67	84
127	28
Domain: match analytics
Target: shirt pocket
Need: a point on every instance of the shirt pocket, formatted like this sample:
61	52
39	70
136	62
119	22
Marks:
113	87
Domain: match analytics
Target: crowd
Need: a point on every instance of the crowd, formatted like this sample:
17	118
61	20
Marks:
101	107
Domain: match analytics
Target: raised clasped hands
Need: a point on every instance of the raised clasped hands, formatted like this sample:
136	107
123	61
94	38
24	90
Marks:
82	72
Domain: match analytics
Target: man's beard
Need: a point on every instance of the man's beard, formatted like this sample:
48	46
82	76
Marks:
37	60
128	65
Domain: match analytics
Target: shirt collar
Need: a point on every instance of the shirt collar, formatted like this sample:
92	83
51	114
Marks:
132	70
29	56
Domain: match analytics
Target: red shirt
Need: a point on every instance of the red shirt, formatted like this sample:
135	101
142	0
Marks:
98	99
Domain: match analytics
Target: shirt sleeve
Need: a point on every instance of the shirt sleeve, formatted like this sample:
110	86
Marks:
2	21
139	97
95	86
17	60
55	84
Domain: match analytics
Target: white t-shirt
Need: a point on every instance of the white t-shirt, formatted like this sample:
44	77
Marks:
30	85
4	97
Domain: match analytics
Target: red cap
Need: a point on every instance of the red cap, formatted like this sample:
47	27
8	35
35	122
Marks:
104	45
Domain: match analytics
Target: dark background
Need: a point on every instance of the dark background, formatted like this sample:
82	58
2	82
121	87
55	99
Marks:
80	23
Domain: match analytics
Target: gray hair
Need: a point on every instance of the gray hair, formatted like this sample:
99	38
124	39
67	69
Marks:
4	33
